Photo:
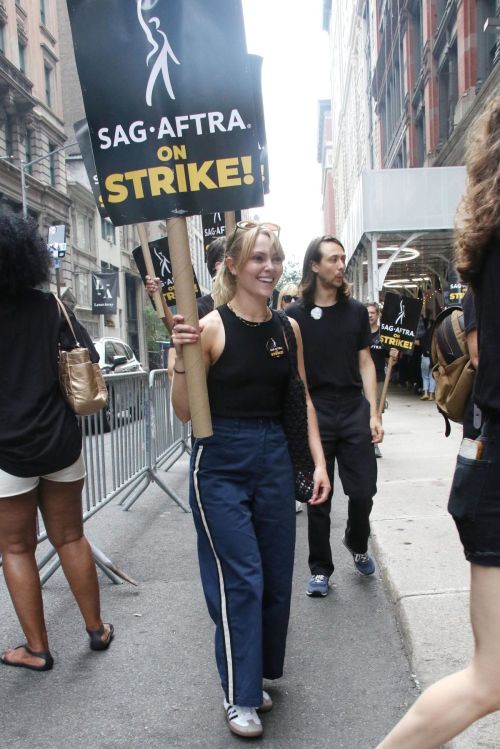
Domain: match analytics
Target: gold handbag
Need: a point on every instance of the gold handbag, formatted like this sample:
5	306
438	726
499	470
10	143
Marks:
81	381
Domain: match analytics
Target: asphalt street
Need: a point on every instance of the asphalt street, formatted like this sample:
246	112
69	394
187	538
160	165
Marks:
347	677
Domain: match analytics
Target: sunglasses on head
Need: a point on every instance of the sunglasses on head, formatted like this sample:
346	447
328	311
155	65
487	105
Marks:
245	225
288	298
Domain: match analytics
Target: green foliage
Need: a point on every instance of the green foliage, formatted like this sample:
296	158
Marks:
292	273
155	329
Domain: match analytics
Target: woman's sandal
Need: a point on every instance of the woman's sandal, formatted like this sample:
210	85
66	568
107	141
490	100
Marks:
44	656
96	641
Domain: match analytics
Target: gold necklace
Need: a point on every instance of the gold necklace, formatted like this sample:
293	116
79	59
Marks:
250	323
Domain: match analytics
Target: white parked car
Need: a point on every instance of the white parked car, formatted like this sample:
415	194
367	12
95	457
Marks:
116	357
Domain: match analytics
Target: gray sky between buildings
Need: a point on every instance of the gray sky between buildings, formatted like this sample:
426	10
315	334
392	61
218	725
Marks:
288	34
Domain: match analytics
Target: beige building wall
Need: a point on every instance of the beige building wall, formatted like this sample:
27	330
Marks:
31	122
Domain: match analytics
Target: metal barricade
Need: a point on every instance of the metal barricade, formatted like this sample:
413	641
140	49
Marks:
124	446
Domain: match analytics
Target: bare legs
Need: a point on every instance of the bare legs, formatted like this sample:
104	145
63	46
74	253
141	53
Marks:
61	507
452	704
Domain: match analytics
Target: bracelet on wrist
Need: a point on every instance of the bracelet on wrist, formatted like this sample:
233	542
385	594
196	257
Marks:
179	371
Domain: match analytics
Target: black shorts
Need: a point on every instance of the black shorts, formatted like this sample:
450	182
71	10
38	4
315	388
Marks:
475	501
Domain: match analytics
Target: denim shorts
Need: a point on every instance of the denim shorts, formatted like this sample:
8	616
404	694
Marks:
474	500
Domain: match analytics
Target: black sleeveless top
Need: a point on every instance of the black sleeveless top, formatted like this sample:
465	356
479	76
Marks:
250	377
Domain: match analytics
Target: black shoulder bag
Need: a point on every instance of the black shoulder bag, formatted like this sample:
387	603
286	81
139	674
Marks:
295	420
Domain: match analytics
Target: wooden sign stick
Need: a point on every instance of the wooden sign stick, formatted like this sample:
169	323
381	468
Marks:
230	222
386	386
196	376
159	302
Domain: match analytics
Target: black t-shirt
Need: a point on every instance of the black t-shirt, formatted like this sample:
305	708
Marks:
379	355
487	382
39	433
205	305
331	344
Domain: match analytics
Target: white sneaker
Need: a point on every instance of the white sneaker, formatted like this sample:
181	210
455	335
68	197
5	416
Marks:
267	703
243	721
298	506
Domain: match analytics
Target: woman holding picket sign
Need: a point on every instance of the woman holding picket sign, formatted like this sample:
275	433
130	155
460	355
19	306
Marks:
241	488
452	704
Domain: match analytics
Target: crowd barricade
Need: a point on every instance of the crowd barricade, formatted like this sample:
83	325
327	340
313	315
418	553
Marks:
124	446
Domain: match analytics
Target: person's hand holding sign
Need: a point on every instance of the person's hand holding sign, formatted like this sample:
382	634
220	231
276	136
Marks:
152	285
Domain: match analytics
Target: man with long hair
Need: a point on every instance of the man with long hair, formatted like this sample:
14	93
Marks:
342	383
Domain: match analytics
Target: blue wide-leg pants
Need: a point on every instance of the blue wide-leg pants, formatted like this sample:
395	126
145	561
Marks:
242	498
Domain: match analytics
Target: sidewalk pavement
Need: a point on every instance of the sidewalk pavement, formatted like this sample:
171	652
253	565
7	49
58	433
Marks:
347	679
418	549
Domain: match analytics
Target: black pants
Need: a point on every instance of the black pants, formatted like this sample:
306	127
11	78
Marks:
344	425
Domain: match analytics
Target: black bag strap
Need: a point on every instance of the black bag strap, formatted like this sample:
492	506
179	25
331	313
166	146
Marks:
290	339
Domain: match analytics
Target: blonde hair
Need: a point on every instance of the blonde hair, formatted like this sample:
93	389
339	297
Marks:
290	289
239	247
480	207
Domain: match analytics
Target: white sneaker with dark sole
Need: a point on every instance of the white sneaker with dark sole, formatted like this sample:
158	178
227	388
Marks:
243	721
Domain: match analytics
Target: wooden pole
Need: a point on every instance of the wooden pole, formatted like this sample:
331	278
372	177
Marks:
386	386
157	296
196	376
230	222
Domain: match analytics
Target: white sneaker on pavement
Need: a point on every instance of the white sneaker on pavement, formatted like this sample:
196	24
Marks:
243	721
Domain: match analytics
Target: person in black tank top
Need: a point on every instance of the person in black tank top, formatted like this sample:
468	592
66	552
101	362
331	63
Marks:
448	707
241	487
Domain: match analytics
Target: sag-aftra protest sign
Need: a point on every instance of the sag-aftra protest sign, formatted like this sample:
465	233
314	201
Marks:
170	102
398	325
160	255
82	134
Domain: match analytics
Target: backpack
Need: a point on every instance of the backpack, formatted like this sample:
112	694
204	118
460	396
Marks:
452	369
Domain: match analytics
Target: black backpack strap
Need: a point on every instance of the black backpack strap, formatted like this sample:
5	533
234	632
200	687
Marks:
290	339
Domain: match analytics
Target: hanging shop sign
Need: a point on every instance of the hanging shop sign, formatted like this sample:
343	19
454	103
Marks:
170	102
104	293
160	255
398	325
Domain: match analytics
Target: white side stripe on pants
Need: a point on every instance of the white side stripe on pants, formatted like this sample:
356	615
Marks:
225	623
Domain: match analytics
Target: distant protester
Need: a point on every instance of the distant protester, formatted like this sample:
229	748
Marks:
41	462
448	707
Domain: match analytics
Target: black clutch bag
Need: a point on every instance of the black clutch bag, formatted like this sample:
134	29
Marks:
295	421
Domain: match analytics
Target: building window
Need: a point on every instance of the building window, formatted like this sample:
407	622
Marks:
28	153
43	18
22	56
9	136
83	288
420	139
486	40
48	84
52	164
107	230
2	38
418	37
448	94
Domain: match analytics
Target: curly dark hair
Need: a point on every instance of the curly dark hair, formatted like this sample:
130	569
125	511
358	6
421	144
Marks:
480	208
24	258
